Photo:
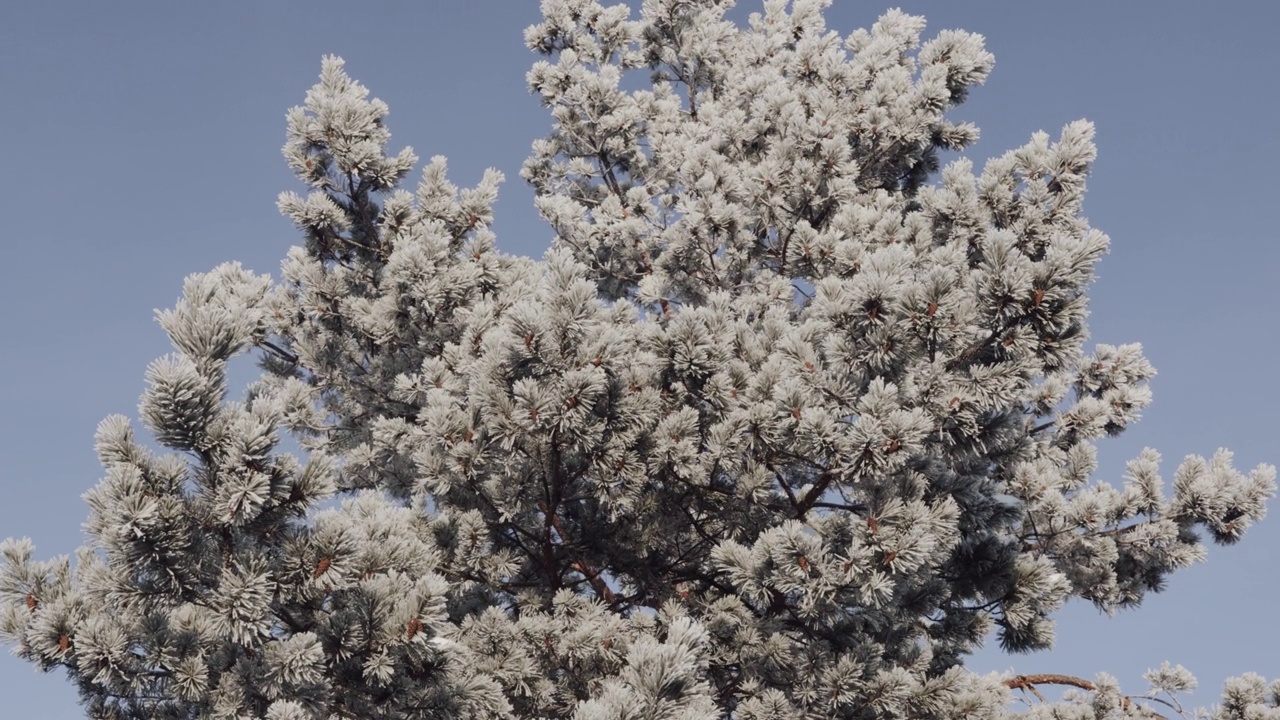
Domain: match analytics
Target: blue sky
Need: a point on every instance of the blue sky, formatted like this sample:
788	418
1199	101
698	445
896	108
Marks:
142	141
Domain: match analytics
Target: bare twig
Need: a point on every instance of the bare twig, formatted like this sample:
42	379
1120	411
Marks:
1029	682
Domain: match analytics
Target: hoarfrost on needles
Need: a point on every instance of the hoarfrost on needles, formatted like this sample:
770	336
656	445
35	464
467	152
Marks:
787	420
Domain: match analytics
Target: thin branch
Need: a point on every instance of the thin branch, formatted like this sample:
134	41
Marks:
859	509
1028	683
1042	427
590	573
278	351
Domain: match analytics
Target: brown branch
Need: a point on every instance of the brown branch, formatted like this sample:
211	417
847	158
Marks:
591	574
971	352
597	583
815	494
786	488
782	253
1028	683
548	548
554	488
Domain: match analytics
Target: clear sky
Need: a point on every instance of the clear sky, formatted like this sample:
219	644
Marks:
142	144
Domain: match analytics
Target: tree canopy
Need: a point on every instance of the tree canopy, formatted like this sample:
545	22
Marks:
790	418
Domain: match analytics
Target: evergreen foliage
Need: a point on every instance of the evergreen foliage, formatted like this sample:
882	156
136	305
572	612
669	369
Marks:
789	419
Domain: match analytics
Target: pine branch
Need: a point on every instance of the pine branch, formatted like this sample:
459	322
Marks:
1029	683
592	574
278	352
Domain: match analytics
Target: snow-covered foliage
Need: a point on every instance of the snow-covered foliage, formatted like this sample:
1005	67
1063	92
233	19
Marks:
788	420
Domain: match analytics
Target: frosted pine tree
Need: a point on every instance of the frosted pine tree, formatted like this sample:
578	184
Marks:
787	422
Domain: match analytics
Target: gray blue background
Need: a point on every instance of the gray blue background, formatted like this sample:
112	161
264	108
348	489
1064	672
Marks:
140	142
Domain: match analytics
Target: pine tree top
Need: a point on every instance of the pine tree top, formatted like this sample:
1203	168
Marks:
789	417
